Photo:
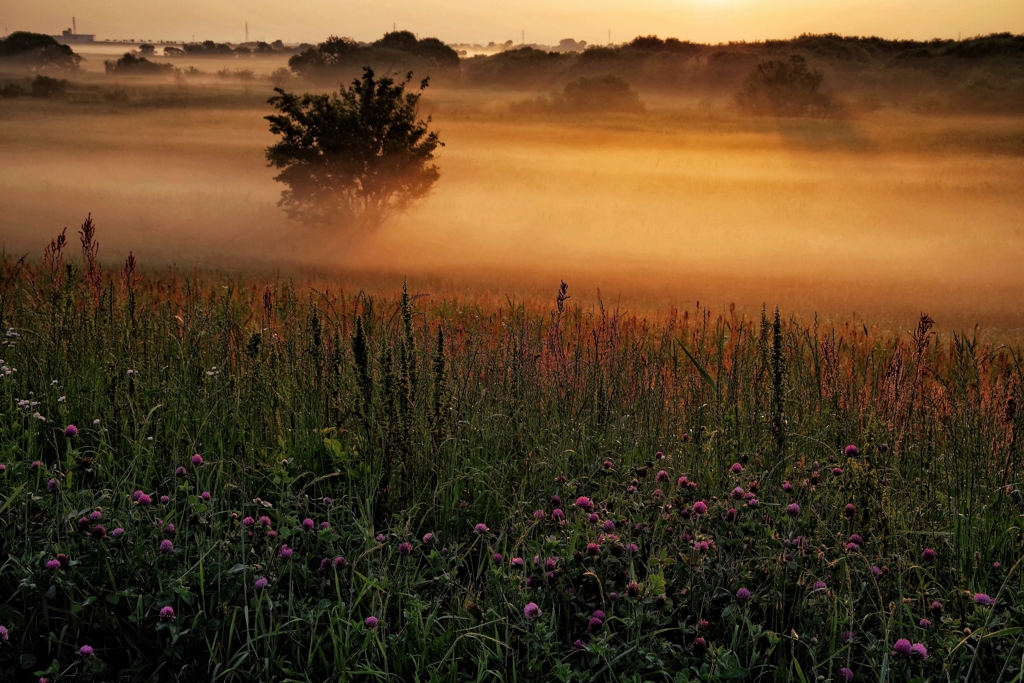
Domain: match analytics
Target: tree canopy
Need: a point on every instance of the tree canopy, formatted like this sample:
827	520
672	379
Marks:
37	50
353	158
783	88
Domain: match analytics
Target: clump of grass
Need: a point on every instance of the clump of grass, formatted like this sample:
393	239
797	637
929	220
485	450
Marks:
270	481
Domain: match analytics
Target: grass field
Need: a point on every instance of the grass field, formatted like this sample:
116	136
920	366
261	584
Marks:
276	482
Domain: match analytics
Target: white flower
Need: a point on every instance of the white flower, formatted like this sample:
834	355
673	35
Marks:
96	421
61	399
53	383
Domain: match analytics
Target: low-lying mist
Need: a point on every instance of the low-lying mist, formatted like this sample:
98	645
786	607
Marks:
876	218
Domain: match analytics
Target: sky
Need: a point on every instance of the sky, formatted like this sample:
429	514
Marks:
544	21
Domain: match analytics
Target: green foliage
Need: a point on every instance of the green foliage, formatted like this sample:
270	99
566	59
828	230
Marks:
784	88
37	50
305	405
353	158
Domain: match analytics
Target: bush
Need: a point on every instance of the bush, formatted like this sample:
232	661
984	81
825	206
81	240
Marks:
784	88
11	91
132	65
38	51
45	86
601	94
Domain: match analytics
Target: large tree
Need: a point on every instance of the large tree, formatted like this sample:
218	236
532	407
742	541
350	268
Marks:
353	158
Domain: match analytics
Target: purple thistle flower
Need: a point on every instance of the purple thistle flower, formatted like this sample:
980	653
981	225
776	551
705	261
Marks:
70	431
983	599
593	549
264	521
593	518
557	515
856	540
51	485
271	534
3	468
539	515
846	675
428	537
180	471
608	526
632	548
936	607
850	510
737	492
556	501
630	489
480	528
248	521
584	503
531	611
681	482
633	589
608	464
53	565
742	595
371	622
876	571
205	495
261	583
656	493
851	451
550	563
327	500
919	652
169	529
497	557
793	510
405	548
847	635
308	524
662	475
166	546
381	538
598	614
99	532
787	487
36	464
167	613
594	624
927	554
4	635
339	561
700	645
836	471
285	552
820	586
902	648
700	508
86	651
517	562
736	468
143	499
701	546
578	645
164	500
117	533
925	623
197	460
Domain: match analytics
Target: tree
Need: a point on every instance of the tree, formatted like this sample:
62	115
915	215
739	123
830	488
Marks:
784	88
602	93
37	51
353	158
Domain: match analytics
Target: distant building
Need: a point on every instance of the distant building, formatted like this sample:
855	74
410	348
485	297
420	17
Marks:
69	36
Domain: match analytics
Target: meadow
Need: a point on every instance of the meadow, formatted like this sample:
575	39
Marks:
215	478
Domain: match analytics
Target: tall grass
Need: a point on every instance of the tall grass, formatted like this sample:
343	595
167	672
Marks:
388	417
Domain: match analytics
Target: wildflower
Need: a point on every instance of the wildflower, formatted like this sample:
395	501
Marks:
538	515
531	611
608	464
700	508
633	589
594	624
851	451
608	526
205	495
876	571
86	651
737	492
264	521
51	485
560	479
164	500
371	622
308	524
550	563
517	562
557	515
731	515
579	645
996	565
850	510
662	475
480	528
847	635
428	538
742	595
167	613
197	459
845	675
681	482
902	648
836	471
936	608
248	521
925	623
53	565
99	532
556	501
381	538
820	586
180	471
261	583
884	448
630	489
700	645
919	652
166	546
3	468
598	614
63	559
787	487
656	494
701	546
593	518
405	548
117	533
36	465
497	557
169	529
285	552
593	549
632	548
927	554
983	599
4	636
70	431
793	510
339	561
855	539
584	503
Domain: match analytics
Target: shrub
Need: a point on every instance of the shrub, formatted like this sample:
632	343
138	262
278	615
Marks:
132	65
601	94
45	86
784	88
38	51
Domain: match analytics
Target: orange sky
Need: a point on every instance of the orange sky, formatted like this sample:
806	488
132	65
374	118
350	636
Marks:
545	21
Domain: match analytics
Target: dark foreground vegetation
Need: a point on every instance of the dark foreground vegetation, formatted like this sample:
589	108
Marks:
218	478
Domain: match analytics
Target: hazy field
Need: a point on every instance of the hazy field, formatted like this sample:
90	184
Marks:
879	218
